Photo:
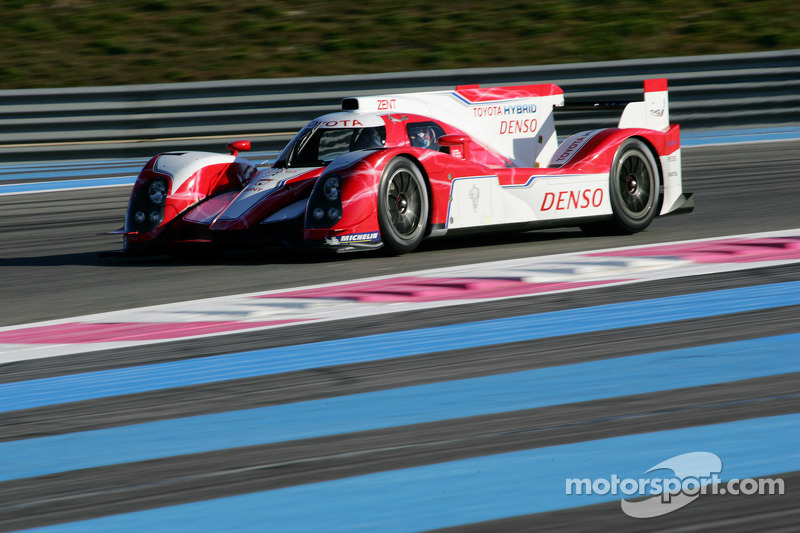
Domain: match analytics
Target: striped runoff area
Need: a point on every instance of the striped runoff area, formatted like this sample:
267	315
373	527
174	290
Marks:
391	294
449	398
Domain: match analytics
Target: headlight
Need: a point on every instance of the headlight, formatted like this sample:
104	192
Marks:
157	192
146	210
331	188
325	203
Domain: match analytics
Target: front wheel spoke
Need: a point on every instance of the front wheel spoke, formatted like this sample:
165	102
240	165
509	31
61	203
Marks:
396	218
406	223
391	207
412	215
638	203
403	185
633	166
639	169
645	184
413	197
626	168
411	223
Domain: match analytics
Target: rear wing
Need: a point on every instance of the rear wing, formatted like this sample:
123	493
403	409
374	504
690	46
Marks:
652	113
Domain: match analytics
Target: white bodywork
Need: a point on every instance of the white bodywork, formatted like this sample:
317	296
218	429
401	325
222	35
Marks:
181	166
519	128
263	184
482	201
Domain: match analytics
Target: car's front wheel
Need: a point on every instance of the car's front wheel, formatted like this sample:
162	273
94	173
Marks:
403	206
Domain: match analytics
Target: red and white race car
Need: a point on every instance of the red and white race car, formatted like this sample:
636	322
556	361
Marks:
392	170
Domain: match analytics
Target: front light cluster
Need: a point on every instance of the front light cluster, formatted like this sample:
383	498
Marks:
157	192
325	204
147	208
330	188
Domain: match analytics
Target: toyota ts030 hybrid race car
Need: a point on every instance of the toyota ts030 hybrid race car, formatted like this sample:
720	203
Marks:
392	170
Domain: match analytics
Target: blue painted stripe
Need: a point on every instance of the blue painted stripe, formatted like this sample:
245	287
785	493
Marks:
146	378
472	490
85	169
537	388
61	173
714	137
51	186
136	162
70	164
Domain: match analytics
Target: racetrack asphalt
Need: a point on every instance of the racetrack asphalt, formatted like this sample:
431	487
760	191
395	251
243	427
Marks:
52	268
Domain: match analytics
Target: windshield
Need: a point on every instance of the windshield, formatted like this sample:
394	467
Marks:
314	147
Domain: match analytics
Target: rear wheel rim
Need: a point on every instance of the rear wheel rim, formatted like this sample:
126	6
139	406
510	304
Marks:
635	184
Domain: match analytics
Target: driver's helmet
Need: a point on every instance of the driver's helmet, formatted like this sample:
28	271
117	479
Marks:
424	137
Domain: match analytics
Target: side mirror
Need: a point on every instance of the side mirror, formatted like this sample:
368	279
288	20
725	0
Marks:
458	144
237	146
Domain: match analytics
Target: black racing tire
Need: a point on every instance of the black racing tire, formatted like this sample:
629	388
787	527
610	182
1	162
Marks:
403	206
634	187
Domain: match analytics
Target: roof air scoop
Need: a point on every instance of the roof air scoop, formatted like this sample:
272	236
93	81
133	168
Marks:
350	104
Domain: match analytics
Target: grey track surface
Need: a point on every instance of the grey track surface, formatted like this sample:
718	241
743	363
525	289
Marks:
49	246
50	241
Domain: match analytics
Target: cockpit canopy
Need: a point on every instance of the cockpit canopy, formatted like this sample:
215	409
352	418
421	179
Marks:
317	145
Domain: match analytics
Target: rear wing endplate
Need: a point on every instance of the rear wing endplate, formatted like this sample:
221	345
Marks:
652	113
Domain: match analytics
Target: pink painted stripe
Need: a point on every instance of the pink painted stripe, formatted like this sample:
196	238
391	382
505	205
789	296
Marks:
418	289
722	251
80	332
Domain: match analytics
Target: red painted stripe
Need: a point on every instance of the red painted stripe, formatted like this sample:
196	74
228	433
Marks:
79	332
489	94
417	289
672	140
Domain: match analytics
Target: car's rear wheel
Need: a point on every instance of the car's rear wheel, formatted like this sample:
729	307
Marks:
634	190
403	206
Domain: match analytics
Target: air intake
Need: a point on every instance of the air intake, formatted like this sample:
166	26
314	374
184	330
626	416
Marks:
349	104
